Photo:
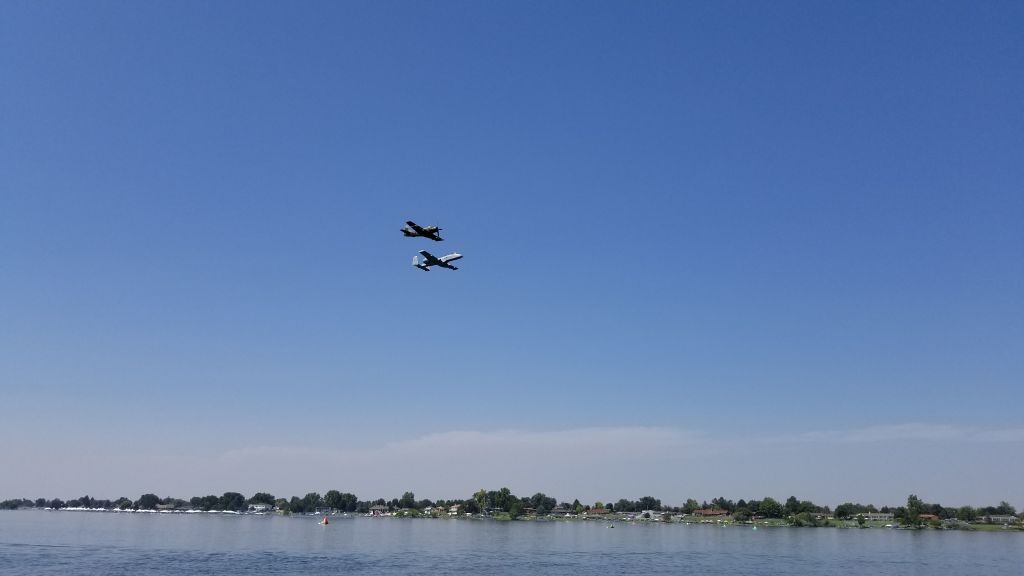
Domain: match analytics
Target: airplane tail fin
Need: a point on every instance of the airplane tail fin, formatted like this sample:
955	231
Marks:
416	261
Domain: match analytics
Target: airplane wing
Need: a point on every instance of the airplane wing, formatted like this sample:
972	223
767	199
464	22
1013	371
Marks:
414	226
429	257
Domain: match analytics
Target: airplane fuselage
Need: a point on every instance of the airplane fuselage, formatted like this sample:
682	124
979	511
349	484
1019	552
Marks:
444	260
431	232
431	260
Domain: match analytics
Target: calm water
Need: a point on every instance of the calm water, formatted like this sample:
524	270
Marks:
38	542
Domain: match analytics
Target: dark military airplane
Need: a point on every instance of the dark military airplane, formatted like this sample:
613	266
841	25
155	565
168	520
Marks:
414	229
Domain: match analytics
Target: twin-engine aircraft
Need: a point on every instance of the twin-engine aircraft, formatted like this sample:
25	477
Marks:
431	260
412	229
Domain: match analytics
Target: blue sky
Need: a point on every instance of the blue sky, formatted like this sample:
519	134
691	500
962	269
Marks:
736	225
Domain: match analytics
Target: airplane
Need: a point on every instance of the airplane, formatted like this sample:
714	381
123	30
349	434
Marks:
414	229
431	260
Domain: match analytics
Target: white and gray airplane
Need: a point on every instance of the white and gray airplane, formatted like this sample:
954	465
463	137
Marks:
431	260
413	229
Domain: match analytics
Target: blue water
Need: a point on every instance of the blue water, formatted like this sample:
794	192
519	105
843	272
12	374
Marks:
70	543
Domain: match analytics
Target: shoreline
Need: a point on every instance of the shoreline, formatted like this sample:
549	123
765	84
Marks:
612	521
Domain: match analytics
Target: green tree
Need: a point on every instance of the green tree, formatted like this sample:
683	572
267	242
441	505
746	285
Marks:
1004	508
175	503
966	514
408	500
312	501
542	503
794	506
232	501
914	509
515	507
205	503
332	499
722	504
849	509
262	498
147	502
770	508
650	503
503	499
480	496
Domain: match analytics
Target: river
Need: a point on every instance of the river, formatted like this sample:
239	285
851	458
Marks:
87	543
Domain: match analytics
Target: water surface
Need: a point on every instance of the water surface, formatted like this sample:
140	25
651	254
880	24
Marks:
79	543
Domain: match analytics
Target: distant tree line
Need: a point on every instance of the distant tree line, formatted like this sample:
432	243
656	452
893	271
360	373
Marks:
918	513
504	502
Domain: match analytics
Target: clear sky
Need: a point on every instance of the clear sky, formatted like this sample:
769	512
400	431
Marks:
735	249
